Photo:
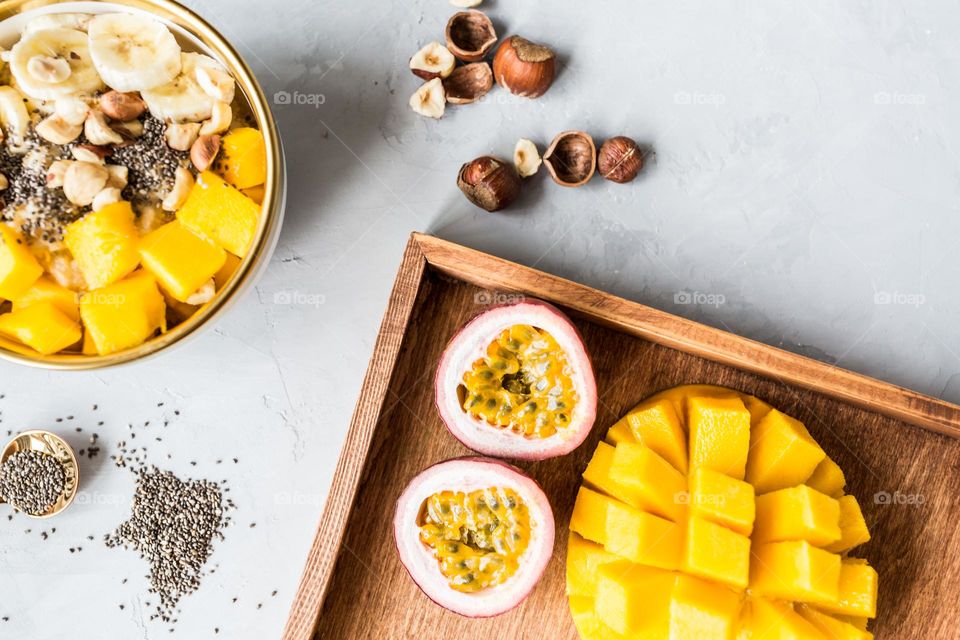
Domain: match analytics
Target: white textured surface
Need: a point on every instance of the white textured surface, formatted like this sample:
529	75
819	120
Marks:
812	171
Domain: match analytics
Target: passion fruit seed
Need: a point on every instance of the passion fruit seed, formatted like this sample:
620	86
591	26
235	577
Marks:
477	537
523	383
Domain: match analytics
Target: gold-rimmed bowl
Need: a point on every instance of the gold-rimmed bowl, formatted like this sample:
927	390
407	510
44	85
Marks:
53	445
194	34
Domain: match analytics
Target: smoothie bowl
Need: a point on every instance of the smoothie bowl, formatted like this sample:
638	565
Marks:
141	180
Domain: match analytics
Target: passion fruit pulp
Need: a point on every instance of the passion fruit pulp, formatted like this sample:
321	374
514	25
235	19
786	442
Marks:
475	534
516	382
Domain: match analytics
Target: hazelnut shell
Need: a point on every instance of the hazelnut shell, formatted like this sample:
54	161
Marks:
571	158
470	35
489	183
619	159
468	83
524	68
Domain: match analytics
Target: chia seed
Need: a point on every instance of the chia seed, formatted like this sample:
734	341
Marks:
32	481
151	163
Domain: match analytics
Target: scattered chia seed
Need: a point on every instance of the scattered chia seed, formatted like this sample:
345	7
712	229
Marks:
151	163
31	481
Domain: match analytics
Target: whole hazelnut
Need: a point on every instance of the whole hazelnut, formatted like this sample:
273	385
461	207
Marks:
524	68
620	159
489	183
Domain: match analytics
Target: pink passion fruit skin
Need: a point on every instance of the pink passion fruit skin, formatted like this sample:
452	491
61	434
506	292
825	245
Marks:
470	474
470	344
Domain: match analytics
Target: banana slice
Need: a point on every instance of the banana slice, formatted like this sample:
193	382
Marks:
13	113
184	99
132	52
77	21
52	63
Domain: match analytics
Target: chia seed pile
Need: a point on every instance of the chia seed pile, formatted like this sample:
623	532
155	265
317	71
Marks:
31	481
151	163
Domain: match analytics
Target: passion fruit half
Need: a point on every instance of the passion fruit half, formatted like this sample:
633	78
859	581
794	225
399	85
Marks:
475	534
516	382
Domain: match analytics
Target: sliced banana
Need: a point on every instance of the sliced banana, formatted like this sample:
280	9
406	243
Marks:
13	113
52	63
76	21
184	99
132	52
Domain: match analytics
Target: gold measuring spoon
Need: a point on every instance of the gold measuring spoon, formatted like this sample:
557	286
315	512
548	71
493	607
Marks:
54	445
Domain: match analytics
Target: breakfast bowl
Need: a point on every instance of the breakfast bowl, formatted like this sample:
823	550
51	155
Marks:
161	220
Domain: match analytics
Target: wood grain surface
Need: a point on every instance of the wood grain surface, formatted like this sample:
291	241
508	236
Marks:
905	478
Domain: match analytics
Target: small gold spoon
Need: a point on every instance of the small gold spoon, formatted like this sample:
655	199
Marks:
54	445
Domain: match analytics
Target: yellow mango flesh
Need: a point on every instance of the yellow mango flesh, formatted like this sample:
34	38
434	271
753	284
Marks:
230	266
771	620
585	619
104	244
723	500
19	269
180	260
219	212
828	478
831	627
795	571
658	427
716	553
782	453
620	432
853	528
797	513
644	480
124	314
589	517
46	290
242	160
719	434
584	558
42	327
857	591
702	610
632	600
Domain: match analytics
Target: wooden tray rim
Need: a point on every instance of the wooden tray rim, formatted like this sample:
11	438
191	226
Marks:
484	270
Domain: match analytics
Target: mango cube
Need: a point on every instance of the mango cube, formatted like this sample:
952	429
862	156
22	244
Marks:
124	314
828	478
797	513
716	553
589	517
758	409
642	537
19	269
853	528
633	600
782	453
180	260
701	610
619	432
795	571
657	425
243	158
219	212
646	481
723	500
833	628
585	619
104	244
42	327
46	290
764	619
719	434
584	558
230	266
857	591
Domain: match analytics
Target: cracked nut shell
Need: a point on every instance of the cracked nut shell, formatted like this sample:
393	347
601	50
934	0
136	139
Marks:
571	158
619	159
470	35
468	83
524	68
489	183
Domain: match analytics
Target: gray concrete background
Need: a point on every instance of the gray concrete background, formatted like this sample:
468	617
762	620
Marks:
802	192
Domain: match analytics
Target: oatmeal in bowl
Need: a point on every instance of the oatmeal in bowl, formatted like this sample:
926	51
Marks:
140	182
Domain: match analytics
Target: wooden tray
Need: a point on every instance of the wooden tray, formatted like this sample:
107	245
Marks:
353	586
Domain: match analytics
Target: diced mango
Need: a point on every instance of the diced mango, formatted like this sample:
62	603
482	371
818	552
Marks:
782	453
758	409
646	481
857	591
46	290
180	260
255	193
657	425
831	627
230	266
828	478
88	348
722	499
795	571
719	434
124	314
764	619
42	327
104	244
19	268
701	610
589	517
642	537
716	553
584	558
633	600
586	621
853	528
243	158
797	513
219	212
